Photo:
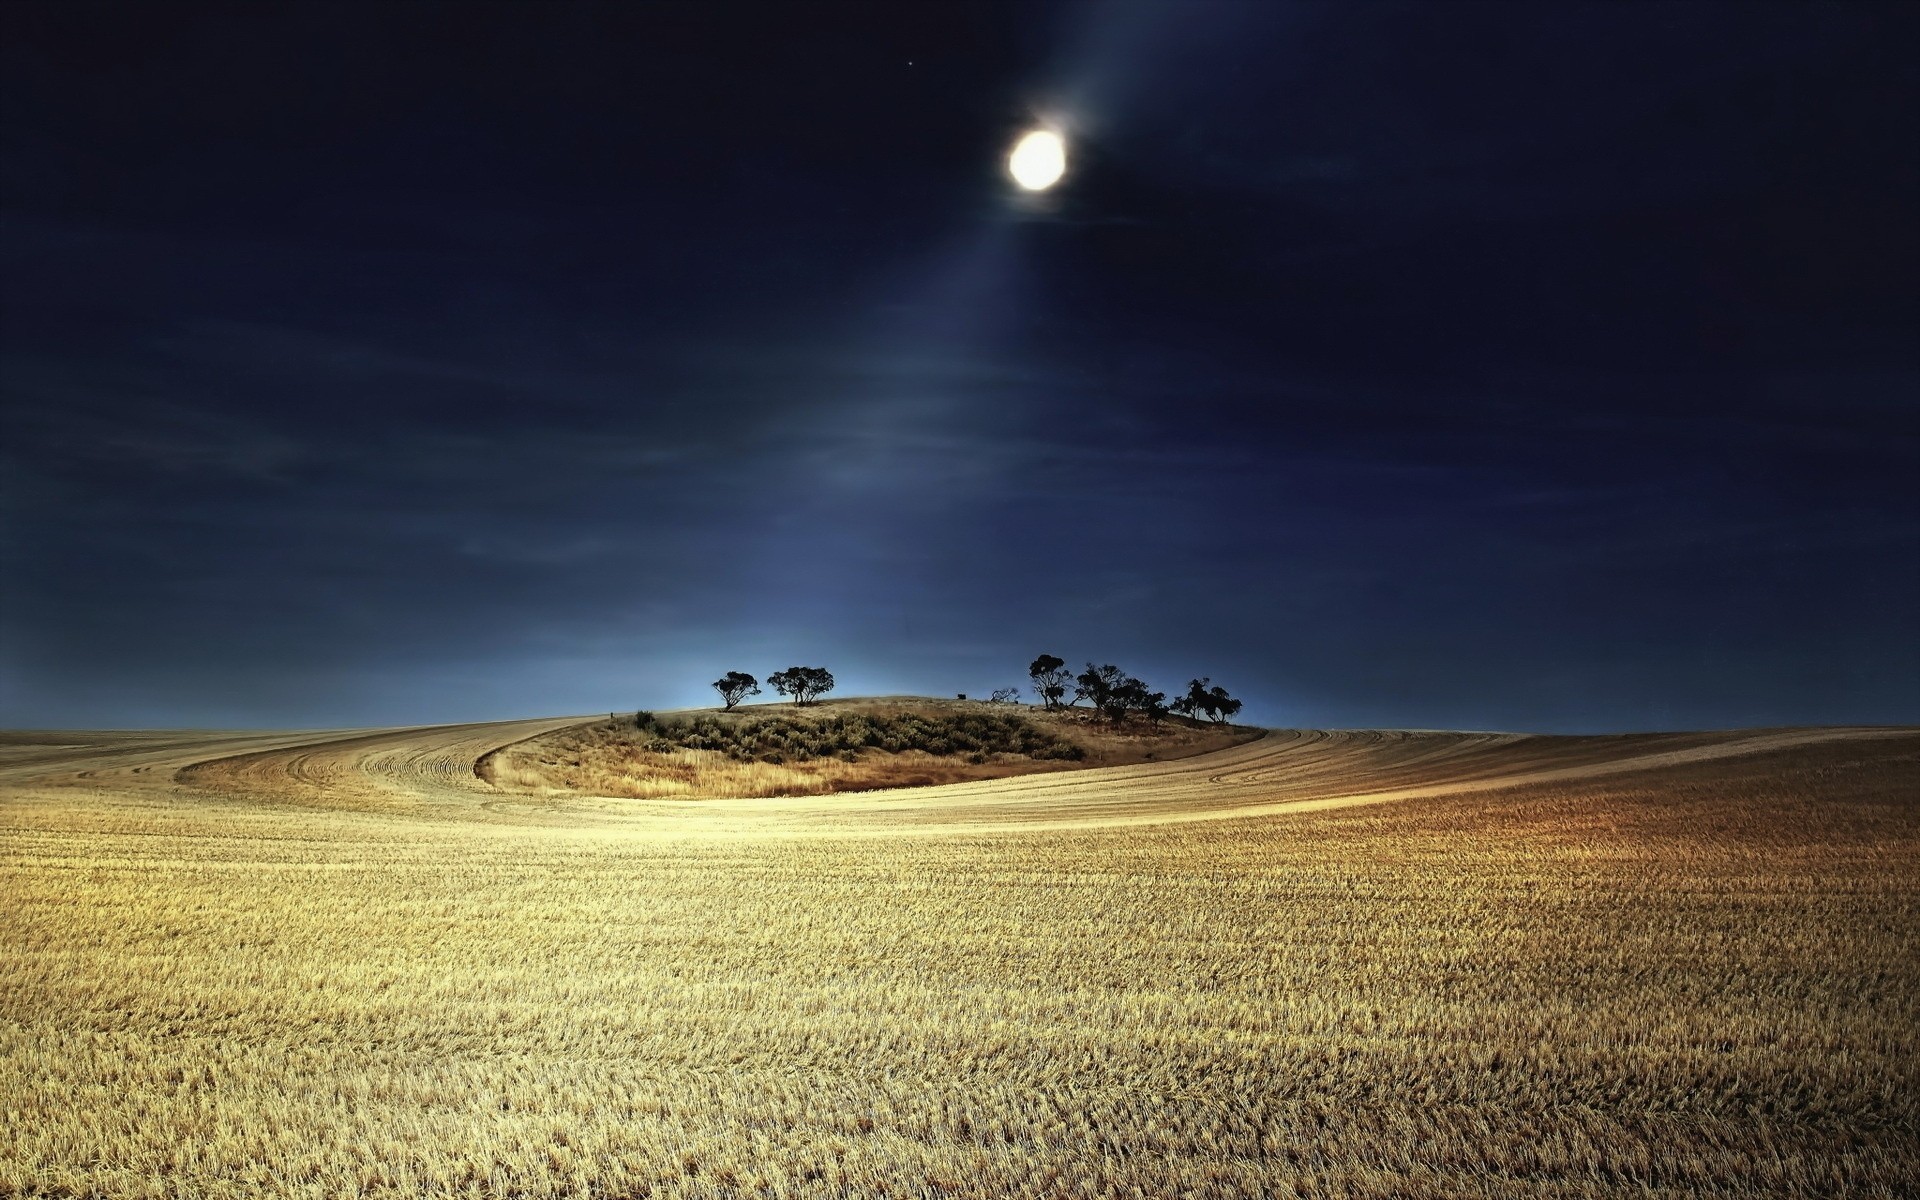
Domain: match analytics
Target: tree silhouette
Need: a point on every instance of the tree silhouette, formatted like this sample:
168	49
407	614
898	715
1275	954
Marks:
804	684
1050	679
1131	695
1222	706
736	686
1095	685
1154	705
1196	700
1204	696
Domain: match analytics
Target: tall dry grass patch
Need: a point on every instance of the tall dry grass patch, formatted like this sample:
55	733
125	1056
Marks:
846	746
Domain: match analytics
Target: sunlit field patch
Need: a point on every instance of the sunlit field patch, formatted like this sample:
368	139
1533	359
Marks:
1698	980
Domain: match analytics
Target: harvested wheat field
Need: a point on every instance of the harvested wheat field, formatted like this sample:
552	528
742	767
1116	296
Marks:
1311	964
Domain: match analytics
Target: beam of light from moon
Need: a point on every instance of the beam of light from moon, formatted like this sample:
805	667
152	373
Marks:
1038	160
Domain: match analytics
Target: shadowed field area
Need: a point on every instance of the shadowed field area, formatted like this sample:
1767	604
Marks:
1322	964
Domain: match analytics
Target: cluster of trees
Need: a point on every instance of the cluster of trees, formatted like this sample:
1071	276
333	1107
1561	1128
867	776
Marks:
1208	699
1106	688
803	684
1114	693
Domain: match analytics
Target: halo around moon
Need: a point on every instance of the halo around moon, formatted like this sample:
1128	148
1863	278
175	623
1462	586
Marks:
1038	160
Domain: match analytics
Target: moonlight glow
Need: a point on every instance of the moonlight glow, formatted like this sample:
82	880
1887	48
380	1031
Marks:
1038	160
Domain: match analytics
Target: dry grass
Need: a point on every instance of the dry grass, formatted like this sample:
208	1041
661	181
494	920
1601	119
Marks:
1701	978
616	758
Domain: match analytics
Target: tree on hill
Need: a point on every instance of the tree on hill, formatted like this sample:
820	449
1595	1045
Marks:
1222	706
1204	696
1131	695
736	686
1050	679
1154	706
1095	685
804	684
1196	700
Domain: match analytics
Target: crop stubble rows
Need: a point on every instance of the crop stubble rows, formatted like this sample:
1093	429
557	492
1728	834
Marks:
347	969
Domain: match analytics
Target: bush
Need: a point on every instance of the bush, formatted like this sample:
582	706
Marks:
978	736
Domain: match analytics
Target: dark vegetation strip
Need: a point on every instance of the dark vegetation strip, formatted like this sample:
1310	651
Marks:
846	735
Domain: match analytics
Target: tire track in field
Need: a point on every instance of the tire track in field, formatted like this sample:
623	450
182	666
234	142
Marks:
388	768
1311	771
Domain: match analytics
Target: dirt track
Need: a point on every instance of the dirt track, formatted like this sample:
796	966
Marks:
428	771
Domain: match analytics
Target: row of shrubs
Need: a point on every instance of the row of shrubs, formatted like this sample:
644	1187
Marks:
779	739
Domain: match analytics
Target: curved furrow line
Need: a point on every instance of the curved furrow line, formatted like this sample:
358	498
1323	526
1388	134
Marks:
398	767
112	758
431	770
1134	796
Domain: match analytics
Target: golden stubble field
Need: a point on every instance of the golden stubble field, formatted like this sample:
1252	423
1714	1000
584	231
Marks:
1317	964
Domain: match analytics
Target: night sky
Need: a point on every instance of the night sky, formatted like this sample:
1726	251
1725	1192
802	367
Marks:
1521	366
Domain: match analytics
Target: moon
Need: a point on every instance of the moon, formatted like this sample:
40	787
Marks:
1038	160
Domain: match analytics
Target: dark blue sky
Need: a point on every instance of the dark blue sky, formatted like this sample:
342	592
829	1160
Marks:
1525	366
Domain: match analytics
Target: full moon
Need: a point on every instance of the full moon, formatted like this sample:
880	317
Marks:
1038	160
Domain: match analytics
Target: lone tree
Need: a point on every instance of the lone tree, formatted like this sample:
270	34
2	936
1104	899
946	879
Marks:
1050	679
1095	685
1006	696
804	684
736	686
